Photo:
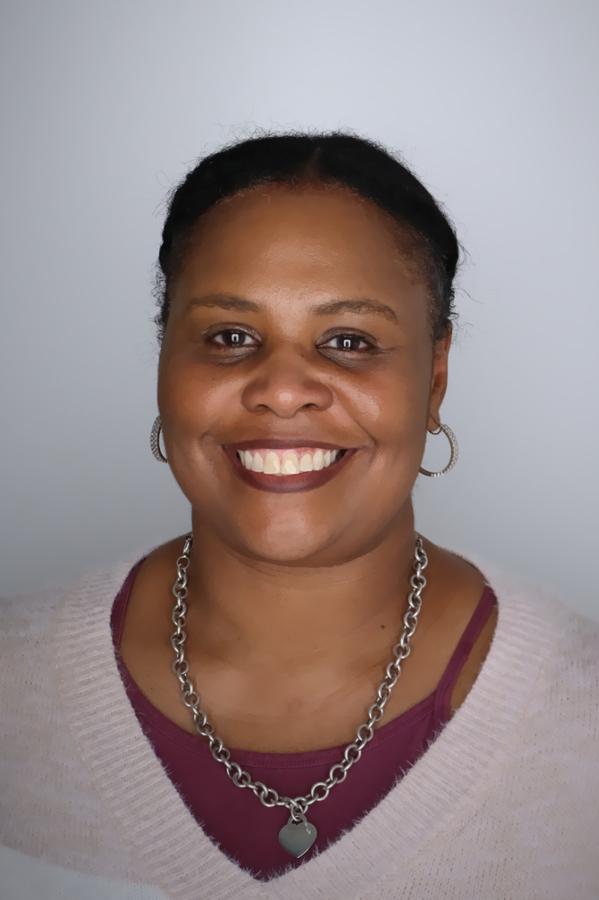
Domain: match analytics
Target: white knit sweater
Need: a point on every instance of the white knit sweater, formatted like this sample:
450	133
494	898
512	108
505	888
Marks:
503	805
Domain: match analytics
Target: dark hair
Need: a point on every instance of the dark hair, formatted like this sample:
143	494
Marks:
302	158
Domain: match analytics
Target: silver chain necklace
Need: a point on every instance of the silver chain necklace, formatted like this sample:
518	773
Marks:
298	835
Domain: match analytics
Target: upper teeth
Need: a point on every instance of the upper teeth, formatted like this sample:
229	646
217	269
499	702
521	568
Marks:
287	462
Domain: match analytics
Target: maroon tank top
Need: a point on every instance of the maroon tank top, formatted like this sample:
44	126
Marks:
244	829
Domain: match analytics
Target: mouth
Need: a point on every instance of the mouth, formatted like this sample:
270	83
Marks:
286	481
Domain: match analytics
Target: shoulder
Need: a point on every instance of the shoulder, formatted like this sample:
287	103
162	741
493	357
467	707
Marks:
52	642
33	624
558	737
26	620
572	684
536	622
32	615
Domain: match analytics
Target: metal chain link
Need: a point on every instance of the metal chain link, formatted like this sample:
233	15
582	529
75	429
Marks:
320	790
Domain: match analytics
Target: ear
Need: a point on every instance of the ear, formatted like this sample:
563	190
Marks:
439	375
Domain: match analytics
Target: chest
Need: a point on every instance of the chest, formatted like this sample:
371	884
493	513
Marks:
277	718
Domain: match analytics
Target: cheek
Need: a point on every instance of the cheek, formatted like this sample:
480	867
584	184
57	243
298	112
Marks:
395	414
392	408
190	395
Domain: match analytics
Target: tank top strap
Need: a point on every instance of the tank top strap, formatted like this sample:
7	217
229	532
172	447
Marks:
119	607
477	622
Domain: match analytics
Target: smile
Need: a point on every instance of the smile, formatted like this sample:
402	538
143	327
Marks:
287	470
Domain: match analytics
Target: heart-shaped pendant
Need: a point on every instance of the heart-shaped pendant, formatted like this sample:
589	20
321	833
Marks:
297	837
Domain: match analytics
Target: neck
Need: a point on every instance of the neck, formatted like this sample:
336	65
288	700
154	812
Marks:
258	616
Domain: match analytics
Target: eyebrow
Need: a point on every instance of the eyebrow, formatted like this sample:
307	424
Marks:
361	305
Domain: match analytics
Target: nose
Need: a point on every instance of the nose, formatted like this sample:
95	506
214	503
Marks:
285	383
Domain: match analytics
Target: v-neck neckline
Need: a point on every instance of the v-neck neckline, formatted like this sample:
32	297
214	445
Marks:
170	847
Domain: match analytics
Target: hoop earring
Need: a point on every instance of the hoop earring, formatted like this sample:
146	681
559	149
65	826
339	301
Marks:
454	452
155	440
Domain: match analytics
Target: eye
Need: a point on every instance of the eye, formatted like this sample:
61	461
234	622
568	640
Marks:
236	341
347	339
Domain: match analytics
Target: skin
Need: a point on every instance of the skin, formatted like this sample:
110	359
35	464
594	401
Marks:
296	599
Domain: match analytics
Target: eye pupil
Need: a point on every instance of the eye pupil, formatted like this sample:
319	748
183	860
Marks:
349	342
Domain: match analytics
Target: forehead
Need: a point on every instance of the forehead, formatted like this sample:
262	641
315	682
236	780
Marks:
310	238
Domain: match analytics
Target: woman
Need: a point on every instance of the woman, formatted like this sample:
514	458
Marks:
302	697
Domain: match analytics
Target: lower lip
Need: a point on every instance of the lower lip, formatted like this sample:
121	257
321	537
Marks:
288	484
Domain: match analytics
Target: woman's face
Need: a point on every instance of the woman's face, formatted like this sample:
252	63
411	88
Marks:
366	378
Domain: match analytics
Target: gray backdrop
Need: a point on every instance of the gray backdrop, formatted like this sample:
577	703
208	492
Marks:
104	108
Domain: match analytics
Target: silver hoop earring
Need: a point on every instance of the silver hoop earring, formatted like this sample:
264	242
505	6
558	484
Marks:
155	440
454	452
